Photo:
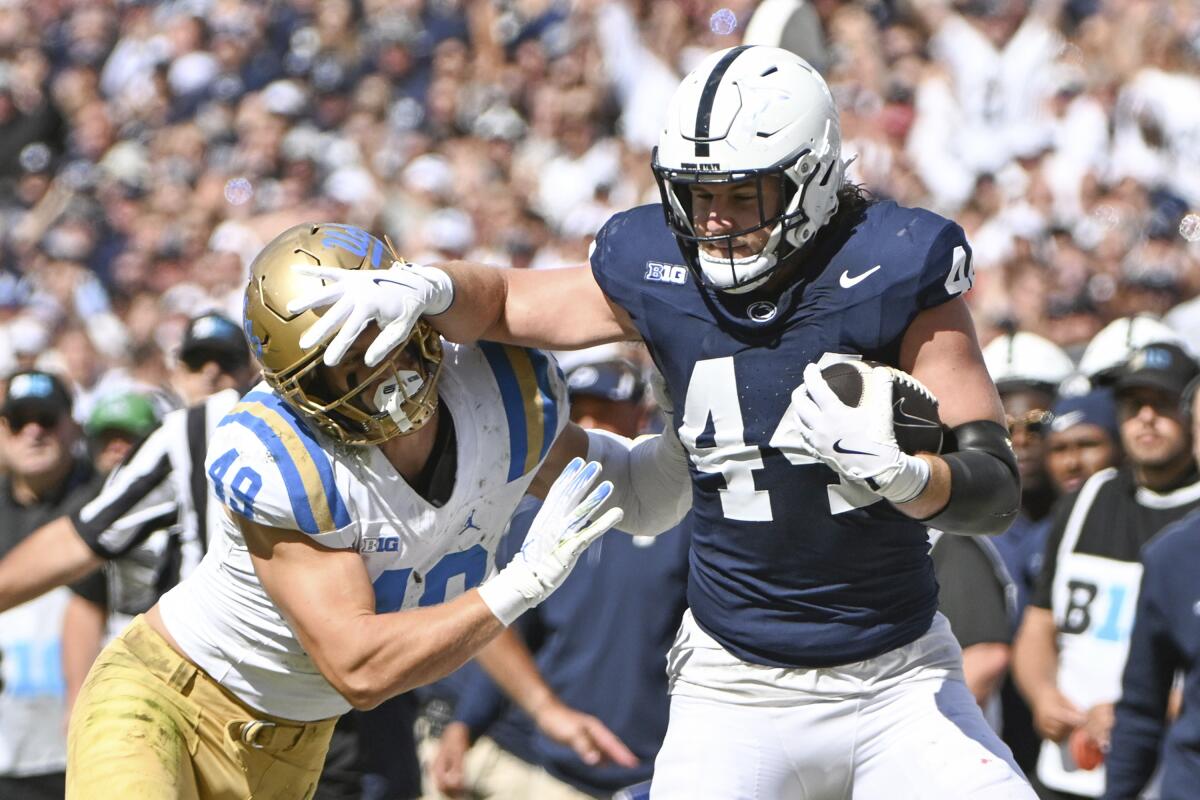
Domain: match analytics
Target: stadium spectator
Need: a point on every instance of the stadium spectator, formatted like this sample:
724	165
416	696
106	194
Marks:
45	479
1027	370
1083	438
1074	638
116	426
1163	645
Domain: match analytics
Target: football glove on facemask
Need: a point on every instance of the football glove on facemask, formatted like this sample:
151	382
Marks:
392	298
858	442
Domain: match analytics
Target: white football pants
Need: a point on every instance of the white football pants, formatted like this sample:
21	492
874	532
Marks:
902	725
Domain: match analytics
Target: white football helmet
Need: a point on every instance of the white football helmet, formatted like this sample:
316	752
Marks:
751	113
1026	359
1109	349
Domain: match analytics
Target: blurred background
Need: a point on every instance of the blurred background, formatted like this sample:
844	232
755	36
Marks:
148	150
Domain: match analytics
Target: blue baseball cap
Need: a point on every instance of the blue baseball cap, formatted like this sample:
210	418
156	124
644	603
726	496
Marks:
1097	407
617	380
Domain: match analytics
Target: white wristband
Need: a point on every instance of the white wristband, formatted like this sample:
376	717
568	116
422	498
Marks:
511	592
442	297
911	478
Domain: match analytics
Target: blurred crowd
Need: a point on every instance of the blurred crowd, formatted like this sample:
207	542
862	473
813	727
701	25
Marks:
149	149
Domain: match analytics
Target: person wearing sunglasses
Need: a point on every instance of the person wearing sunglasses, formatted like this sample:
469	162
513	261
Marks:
1074	639
1027	369
45	480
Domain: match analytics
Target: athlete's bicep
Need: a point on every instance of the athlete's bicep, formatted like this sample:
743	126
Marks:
318	589
559	309
940	350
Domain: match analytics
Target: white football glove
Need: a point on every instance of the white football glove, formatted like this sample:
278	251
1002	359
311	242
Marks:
392	298
559	534
858	442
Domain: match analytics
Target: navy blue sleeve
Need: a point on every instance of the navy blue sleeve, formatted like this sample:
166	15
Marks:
948	271
1145	687
615	266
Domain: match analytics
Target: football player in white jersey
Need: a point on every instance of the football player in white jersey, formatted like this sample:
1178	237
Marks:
363	509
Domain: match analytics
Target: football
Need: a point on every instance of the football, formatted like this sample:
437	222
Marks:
914	408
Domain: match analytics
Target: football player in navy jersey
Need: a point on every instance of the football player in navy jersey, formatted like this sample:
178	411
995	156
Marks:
812	662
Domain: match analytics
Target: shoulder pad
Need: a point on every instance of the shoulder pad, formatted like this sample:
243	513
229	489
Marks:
267	465
947	271
534	396
628	248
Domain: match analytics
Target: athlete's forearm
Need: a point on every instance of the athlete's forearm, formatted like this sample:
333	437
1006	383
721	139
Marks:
557	309
984	665
936	494
982	485
383	655
53	555
1035	654
478	306
511	665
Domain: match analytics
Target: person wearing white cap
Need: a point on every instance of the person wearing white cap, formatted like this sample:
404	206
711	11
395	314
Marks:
1074	639
1109	349
1027	370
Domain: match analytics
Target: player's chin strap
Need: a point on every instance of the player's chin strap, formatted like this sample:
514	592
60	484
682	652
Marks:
985	487
650	479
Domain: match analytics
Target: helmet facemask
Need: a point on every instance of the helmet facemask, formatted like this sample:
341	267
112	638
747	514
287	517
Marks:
790	225
393	399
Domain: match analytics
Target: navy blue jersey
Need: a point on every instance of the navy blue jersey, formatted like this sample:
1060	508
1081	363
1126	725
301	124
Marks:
1166	639
789	565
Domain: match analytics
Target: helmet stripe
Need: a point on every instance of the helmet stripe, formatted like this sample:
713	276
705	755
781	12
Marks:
709	95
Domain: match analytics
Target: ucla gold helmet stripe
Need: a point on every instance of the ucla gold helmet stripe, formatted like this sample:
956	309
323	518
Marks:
523	377
307	474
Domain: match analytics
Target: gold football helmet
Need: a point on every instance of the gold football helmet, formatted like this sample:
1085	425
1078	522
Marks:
350	402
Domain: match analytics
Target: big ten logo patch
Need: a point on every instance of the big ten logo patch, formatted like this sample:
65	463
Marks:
665	273
380	544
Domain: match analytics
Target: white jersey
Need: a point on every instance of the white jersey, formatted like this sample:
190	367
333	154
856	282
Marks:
265	463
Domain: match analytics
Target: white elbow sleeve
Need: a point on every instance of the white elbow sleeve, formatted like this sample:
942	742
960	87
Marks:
650	479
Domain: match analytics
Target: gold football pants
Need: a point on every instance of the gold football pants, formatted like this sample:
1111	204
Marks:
150	724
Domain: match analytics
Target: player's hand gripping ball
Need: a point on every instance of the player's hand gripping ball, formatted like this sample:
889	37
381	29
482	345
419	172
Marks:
914	408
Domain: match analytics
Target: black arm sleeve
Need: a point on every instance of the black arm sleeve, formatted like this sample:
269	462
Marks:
985	490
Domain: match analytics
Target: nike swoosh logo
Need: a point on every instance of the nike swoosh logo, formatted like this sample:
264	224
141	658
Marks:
837	448
848	283
387	280
901	417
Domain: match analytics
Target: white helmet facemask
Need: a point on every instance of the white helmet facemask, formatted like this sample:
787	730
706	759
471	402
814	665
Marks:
758	114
